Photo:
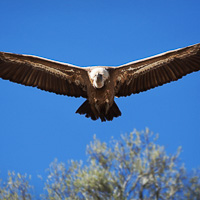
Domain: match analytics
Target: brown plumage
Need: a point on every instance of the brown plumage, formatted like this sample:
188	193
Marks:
99	85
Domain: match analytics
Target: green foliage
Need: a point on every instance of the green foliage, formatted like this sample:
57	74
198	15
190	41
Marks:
192	187
16	188
134	167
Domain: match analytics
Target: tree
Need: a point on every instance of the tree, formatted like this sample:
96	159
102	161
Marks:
134	167
16	187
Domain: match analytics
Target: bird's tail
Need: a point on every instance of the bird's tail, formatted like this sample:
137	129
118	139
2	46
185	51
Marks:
85	109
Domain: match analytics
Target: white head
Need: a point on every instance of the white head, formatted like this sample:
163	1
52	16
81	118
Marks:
99	76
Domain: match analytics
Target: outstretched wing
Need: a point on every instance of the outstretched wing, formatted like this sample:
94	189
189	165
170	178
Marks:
154	71
44	74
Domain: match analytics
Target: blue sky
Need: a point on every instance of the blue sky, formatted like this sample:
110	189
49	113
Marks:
37	126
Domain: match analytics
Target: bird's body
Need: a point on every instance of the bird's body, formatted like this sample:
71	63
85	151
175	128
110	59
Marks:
100	85
100	103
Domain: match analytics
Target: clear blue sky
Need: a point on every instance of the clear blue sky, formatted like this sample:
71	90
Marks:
37	126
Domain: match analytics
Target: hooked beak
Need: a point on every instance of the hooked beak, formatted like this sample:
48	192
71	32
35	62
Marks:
99	78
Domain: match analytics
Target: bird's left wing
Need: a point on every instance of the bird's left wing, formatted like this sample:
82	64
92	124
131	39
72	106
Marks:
44	74
157	70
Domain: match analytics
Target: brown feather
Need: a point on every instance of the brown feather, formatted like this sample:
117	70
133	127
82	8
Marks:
66	79
44	74
157	70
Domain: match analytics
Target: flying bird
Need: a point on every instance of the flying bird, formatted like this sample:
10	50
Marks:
100	84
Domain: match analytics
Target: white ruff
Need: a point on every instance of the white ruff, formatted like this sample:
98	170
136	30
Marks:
93	75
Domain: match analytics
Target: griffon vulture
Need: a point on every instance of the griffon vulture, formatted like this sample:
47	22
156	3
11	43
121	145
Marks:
100	84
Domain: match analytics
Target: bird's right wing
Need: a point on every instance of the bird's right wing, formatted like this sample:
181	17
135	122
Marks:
44	74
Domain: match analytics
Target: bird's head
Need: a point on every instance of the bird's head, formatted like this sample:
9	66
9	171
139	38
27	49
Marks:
98	76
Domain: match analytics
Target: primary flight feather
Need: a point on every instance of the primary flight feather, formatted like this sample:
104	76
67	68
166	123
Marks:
100	84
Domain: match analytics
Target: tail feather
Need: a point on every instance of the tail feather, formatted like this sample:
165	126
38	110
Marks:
85	109
113	112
